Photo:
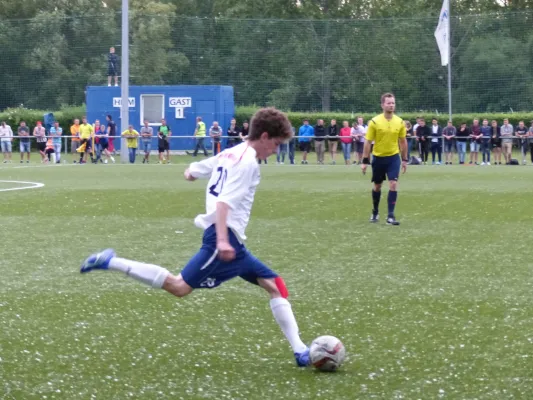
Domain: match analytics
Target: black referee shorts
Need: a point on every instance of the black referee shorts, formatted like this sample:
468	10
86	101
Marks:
386	168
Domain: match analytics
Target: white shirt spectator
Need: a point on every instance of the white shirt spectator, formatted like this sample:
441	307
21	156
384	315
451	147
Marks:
363	129
435	129
6	134
506	131
234	179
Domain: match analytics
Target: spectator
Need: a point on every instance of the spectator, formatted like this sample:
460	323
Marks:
496	142
112	67
346	141
463	133
111	133
233	134
305	133
333	139
320	135
6	139
167	132
55	132
94	141
281	153
75	142
356	134
103	145
49	150
199	134
486	132
423	132
40	133
86	134
131	136
244	133
362	128
215	132
360	141
146	140
449	134
506	133
409	137
415	128
416	125
436	147
161	141
522	133
291	145
530	135
475	142
25	147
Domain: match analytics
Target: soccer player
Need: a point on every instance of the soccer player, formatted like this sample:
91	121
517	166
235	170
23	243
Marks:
387	130
233	178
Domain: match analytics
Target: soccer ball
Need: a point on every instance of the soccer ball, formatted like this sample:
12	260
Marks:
327	353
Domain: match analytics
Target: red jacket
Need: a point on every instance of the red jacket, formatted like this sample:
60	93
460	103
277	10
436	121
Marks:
346	135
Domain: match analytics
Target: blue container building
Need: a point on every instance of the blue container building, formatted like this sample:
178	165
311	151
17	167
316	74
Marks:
179	105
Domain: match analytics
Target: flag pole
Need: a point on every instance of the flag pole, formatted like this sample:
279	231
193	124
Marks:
448	28
125	80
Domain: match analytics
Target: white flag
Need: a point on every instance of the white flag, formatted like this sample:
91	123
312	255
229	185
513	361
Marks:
442	33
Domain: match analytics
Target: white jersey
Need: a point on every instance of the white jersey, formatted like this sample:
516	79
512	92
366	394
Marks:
234	176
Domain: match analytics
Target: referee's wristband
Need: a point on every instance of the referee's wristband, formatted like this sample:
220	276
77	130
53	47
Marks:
405	160
366	160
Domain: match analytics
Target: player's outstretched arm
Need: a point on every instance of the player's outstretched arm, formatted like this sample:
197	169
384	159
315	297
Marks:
225	251
202	169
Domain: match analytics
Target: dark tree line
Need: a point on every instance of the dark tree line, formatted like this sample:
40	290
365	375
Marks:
306	55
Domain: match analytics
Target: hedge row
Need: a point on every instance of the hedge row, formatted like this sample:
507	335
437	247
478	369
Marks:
296	118
66	115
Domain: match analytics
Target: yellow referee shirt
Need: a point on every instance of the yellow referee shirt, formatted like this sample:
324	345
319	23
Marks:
385	133
85	131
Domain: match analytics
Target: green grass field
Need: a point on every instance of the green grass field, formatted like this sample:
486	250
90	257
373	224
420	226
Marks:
440	307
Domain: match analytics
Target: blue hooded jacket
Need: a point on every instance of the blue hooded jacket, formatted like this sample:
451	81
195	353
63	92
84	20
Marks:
306	130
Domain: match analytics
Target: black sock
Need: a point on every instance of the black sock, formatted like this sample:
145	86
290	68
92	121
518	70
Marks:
391	200
375	200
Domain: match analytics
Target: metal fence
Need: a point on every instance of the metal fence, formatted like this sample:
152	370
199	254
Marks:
339	65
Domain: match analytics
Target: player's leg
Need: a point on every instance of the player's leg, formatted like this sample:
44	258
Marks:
254	271
393	173
378	176
149	274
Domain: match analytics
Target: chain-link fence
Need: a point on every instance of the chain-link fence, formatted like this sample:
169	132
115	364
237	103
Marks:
341	65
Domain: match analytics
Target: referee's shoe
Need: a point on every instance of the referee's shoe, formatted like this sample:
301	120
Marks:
392	221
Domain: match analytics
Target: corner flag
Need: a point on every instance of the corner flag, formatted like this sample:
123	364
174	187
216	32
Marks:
442	33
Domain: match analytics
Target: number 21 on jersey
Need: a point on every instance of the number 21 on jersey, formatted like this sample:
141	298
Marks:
217	187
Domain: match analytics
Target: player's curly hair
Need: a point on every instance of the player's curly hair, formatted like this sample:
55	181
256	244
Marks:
272	121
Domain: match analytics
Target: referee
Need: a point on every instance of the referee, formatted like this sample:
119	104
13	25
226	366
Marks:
386	130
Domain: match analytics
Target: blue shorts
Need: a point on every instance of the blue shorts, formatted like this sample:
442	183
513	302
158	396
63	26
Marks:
385	167
147	146
24	147
206	270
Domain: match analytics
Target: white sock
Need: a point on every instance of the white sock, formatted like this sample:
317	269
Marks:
149	274
281	308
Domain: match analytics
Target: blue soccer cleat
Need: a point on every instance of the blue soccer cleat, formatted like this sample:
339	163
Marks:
98	261
303	359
